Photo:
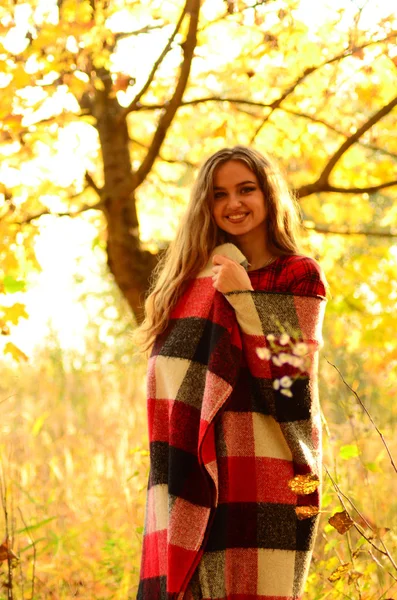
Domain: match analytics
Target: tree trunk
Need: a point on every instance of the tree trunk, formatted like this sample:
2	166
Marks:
130	265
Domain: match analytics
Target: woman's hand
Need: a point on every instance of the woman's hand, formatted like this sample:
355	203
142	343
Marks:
229	276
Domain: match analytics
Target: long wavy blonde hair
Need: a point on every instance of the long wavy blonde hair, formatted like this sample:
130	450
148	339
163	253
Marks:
198	235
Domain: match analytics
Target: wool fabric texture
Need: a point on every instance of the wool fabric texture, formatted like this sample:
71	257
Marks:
227	443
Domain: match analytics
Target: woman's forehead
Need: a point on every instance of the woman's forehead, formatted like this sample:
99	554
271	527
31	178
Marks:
233	172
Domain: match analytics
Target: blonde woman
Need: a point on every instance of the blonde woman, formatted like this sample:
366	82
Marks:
234	325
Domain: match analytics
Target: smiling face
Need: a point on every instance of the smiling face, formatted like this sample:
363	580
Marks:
239	205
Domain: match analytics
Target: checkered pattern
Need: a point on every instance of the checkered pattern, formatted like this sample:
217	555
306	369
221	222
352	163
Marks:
220	516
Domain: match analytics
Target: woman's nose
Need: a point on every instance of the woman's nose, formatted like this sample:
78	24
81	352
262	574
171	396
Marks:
234	200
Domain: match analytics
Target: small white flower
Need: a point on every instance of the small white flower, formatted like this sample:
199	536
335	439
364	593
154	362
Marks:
284	357
264	353
286	381
296	362
284	339
286	392
270	337
300	349
276	361
276	384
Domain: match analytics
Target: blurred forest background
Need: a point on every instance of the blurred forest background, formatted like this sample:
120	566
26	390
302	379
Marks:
107	108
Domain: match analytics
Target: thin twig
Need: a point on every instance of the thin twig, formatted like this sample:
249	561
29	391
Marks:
368	415
340	495
370	232
156	65
75	213
8	397
189	45
4	501
34	552
380	564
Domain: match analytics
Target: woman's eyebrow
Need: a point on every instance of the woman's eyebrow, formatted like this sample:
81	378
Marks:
237	184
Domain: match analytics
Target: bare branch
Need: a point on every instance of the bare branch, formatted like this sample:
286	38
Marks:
91	183
74	213
172	161
203	100
361	403
156	65
385	552
227	15
332	127
308	71
147	29
320	186
385	110
193	8
369	232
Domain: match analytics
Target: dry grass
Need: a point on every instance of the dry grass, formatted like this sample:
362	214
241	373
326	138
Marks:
74	460
74	457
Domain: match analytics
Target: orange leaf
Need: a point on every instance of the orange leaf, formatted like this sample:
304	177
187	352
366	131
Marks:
6	552
305	512
337	574
304	484
341	521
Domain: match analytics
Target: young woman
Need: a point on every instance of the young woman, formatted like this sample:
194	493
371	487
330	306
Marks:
234	324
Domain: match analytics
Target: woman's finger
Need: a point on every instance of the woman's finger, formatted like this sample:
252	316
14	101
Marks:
219	259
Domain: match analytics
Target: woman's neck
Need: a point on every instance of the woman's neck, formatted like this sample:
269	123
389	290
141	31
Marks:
255	250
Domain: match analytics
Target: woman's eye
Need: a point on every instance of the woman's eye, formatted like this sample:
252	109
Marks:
247	190
218	195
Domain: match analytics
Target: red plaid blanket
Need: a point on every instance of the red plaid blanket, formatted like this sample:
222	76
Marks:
235	439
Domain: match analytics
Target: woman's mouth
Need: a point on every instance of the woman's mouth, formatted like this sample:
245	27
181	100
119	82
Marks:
237	218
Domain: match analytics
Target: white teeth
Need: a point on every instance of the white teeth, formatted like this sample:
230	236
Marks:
236	217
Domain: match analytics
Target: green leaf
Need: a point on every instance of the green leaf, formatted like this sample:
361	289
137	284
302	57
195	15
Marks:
31	528
12	285
349	451
374	467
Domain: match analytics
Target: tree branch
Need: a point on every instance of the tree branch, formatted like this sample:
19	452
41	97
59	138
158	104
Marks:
147	29
193	8
370	232
332	127
91	183
324	176
318	186
75	213
329	126
308	71
202	100
172	161
156	65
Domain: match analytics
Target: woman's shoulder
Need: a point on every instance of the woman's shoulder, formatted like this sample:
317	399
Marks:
290	273
305	276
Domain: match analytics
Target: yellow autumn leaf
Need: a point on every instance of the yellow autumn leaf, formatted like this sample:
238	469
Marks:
15	352
339	572
304	484
221	130
305	512
12	314
10	263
